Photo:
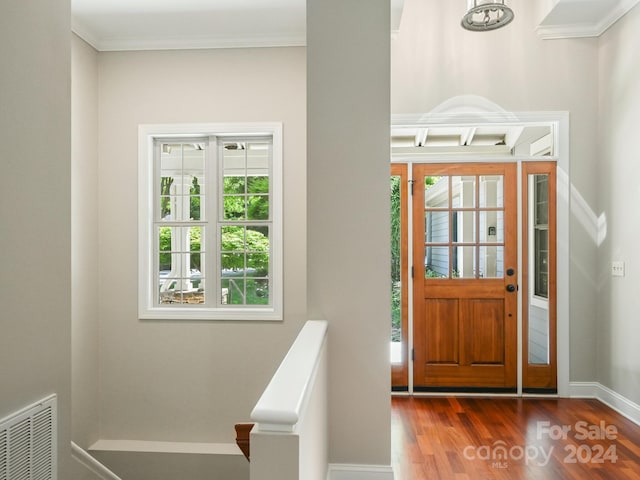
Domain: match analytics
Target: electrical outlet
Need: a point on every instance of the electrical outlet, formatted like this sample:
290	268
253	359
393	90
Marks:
617	269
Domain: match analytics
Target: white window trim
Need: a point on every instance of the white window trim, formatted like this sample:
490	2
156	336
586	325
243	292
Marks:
147	310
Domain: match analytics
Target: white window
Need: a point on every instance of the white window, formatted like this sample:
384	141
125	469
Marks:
210	222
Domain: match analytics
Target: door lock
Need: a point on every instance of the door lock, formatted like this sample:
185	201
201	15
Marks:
511	288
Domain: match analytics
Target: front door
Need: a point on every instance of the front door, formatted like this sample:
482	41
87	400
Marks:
465	278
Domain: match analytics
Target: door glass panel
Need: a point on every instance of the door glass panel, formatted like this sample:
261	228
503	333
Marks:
491	191
492	226
464	227
464	191
464	262
436	192
491	262
436	262
436	224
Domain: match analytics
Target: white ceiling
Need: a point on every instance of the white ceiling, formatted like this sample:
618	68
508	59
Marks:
172	24
582	18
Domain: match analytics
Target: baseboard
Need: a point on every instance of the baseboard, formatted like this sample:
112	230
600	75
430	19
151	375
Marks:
359	472
619	403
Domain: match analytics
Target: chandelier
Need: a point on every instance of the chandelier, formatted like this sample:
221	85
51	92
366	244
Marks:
483	15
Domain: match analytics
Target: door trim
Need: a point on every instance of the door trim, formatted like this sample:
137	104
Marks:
559	121
400	372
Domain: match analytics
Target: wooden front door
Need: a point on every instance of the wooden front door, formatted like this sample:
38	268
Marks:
465	278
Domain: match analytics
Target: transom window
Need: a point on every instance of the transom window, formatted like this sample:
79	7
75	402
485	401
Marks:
210	232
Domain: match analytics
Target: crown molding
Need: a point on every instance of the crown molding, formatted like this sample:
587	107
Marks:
84	33
185	43
586	30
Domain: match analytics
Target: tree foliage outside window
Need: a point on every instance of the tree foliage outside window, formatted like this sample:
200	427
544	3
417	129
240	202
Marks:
396	288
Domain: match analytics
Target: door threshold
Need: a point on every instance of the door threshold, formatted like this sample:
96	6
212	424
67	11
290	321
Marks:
475	390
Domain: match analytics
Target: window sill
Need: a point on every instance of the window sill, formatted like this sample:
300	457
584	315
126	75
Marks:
211	314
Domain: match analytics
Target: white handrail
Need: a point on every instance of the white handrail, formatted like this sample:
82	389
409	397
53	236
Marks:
279	407
91	463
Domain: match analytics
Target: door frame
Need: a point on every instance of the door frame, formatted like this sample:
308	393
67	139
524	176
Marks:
460	297
559	124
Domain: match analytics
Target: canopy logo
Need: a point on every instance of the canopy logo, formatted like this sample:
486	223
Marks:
576	449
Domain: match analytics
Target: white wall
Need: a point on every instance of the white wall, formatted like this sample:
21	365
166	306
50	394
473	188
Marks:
35	213
618	199
434	59
348	218
84	242
190	381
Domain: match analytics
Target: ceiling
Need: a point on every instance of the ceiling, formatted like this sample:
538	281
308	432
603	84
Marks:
174	24
581	18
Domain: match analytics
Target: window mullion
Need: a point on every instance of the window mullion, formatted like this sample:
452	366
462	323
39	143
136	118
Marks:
213	255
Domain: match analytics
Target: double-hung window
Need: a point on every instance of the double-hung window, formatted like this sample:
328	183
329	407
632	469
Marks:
210	211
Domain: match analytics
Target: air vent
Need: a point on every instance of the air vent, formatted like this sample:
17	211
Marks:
27	443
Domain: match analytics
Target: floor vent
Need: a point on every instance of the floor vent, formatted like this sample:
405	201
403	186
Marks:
27	443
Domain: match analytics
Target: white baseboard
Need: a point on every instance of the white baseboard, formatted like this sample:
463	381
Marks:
620	404
359	472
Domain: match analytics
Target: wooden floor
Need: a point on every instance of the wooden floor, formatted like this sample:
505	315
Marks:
477	438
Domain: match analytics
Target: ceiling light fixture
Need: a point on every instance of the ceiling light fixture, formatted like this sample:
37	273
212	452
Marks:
483	15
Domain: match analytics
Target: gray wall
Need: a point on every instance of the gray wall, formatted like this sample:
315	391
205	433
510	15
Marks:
84	242
433	59
170	466
618	200
35	212
179	380
348	218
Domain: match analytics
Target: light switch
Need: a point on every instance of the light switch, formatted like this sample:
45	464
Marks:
617	269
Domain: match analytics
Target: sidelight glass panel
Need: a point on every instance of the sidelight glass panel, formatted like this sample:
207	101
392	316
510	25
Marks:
541	263
539	320
396	269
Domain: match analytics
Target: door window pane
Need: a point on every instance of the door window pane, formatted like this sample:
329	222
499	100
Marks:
491	191
463	191
436	262
436	227
492	226
464	262
436	192
491	262
464	227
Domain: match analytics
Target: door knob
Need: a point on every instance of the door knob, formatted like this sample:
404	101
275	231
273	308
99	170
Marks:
511	288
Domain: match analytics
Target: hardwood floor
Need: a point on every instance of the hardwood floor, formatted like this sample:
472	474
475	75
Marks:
477	438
